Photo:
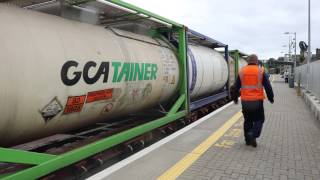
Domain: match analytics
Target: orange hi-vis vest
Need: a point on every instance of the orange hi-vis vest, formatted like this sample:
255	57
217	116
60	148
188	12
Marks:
251	77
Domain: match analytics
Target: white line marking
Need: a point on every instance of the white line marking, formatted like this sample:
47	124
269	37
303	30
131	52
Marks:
154	146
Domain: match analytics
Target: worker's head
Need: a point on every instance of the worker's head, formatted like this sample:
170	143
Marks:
253	59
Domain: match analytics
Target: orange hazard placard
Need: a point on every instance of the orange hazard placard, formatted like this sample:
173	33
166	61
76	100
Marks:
99	95
74	104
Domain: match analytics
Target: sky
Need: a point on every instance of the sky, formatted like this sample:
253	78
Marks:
250	26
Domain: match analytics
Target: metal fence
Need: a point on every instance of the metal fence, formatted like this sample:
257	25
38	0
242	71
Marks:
314	78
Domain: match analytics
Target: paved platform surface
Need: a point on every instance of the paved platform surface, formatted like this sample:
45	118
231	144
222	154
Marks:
289	147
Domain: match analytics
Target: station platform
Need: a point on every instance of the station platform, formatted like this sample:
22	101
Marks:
214	148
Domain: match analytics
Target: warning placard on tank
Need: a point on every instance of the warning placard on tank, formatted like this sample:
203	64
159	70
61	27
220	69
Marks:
99	95
74	104
51	109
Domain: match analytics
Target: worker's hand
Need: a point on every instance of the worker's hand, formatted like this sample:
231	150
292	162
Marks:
271	101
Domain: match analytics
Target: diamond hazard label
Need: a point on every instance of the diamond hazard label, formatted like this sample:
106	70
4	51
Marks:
99	95
74	104
51	109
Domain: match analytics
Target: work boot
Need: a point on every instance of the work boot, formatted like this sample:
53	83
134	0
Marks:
247	141
254	142
251	139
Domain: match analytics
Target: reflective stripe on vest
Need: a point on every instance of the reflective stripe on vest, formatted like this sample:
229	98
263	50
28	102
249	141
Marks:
258	86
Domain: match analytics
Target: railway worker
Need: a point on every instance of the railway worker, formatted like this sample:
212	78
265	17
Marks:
286	76
249	85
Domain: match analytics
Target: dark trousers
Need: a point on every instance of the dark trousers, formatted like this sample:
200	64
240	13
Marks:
253	113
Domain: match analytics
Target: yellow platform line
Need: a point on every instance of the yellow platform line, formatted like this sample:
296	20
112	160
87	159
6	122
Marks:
190	158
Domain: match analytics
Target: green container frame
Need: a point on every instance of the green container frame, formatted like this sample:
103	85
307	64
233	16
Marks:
44	164
236	55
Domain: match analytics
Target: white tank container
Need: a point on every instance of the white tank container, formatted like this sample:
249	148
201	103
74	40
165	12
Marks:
57	74
242	63
231	71
208	72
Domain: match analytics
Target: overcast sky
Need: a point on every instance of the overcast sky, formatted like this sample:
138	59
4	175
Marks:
250	26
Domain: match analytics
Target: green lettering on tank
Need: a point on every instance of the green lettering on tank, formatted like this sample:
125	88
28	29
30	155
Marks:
129	71
124	72
138	71
154	69
147	72
115	66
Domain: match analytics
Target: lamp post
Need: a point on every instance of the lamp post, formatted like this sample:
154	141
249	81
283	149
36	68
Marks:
295	52
309	44
284	53
295	49
289	45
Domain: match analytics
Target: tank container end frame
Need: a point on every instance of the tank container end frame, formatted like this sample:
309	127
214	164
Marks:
44	164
